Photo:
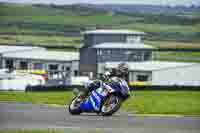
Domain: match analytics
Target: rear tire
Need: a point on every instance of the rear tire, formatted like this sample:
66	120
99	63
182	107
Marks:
114	109
74	109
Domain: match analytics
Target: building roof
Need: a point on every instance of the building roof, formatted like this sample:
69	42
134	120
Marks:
151	65
106	31
122	46
44	55
7	49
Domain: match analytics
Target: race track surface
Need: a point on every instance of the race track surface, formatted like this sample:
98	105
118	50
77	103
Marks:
29	116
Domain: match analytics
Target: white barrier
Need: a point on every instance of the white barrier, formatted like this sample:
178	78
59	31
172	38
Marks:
21	82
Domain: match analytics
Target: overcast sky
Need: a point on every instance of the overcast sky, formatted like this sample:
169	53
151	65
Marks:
152	2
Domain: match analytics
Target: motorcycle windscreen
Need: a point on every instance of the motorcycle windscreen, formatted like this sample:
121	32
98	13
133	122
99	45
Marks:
93	103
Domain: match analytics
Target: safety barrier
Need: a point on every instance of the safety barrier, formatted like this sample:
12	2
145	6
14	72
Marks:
165	88
52	87
137	88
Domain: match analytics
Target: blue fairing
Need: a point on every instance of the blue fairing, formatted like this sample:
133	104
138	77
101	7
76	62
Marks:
93	103
121	87
86	106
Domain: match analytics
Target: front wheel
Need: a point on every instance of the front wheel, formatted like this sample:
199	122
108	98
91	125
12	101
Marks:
111	105
74	107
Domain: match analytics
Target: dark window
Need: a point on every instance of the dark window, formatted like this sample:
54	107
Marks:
53	67
142	77
38	66
75	73
63	68
68	68
23	65
147	55
9	64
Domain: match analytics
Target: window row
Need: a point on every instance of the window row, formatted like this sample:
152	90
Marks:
121	52
144	56
25	65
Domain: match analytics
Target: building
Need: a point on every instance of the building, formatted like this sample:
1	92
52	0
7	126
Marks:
106	48
13	49
162	73
121	36
59	65
103	49
101	46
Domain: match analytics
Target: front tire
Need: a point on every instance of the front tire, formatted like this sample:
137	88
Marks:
74	107
111	105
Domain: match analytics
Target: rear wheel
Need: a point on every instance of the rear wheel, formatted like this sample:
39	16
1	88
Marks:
111	105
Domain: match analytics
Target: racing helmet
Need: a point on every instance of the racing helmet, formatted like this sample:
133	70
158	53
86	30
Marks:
121	70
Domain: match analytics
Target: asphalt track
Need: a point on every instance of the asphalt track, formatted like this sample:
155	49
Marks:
28	116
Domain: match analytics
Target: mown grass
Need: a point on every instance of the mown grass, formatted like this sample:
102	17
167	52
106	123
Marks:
66	20
173	44
164	102
14	29
61	98
141	102
51	131
31	131
41	40
159	28
177	56
191	56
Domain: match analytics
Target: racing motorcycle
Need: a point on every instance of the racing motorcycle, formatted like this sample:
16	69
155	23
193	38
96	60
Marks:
105	100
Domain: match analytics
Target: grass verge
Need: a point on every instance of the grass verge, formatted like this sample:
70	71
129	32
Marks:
164	102
51	131
61	98
141	102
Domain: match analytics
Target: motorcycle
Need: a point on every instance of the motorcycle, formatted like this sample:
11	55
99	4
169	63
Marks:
105	100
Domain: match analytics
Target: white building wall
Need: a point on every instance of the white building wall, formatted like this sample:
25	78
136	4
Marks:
74	67
3	63
189	75
100	68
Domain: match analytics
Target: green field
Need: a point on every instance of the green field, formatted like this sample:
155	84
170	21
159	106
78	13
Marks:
22	19
58	20
173	44
67	20
141	102
178	56
41	40
166	32
175	55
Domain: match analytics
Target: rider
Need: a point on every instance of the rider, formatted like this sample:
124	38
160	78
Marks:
120	76
117	75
